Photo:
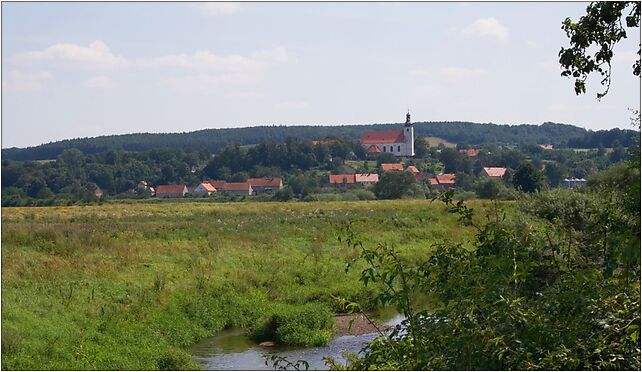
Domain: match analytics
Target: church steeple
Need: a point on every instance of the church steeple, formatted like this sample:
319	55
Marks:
408	123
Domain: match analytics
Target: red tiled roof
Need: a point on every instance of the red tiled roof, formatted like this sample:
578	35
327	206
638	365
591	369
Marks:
216	183
229	186
366	177
433	181
373	149
262	182
170	189
446	179
470	152
412	169
547	146
495	171
391	167
382	136
208	186
341	178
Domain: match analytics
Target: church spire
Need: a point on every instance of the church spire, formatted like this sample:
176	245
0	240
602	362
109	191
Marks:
408	123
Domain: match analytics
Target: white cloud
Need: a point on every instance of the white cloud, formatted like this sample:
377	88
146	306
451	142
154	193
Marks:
207	70
293	105
208	61
489	28
97	54
98	82
219	8
24	81
204	82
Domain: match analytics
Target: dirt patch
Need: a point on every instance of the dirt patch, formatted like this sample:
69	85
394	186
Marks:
360	325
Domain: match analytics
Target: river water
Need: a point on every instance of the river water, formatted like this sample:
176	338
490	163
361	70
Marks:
233	350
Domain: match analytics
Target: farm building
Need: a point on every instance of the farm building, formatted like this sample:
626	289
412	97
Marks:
204	189
237	188
398	142
497	172
171	191
263	185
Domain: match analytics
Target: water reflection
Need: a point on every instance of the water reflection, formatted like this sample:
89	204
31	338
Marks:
232	350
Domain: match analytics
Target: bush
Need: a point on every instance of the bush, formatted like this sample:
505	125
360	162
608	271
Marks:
306	325
361	194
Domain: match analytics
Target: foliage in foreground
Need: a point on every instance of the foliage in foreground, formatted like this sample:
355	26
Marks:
555	287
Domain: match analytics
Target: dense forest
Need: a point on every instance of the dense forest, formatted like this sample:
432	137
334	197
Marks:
212	140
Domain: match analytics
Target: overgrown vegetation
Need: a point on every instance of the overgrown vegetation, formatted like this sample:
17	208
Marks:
132	285
551	284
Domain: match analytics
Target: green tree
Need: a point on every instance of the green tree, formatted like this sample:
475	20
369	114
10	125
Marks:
421	147
555	173
527	178
489	188
393	185
600	29
452	160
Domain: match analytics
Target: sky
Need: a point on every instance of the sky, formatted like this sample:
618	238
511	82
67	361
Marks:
74	70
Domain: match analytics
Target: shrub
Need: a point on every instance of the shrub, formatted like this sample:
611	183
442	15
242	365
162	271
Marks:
305	325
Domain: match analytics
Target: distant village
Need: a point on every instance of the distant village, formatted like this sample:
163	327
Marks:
399	143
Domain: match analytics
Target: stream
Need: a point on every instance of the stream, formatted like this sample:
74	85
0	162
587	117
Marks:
233	350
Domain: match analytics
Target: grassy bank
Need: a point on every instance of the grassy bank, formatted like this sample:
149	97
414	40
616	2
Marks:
131	286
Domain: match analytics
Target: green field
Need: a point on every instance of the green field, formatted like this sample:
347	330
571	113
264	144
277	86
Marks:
435	141
132	286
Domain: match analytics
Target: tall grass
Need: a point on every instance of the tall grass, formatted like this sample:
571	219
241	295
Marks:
133	286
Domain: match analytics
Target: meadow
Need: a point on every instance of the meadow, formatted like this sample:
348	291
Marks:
134	285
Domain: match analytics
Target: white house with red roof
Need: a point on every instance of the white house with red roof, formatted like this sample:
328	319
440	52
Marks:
397	142
204	189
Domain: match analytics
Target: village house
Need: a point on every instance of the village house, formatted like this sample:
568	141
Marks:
387	167
398	142
218	184
443	181
171	191
204	189
341	179
237	188
366	178
415	172
263	185
497	172
547	146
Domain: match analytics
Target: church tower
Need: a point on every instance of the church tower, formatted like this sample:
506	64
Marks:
409	136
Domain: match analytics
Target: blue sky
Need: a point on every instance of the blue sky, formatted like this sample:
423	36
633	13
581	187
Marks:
88	69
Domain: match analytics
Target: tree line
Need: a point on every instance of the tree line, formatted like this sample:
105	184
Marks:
212	140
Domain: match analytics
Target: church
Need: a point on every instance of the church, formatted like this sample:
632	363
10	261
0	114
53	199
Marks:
397	142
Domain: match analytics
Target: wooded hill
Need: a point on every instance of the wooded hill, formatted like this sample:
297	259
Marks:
211	140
